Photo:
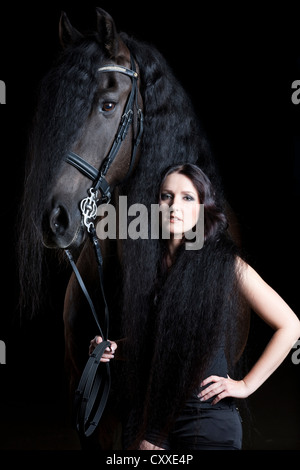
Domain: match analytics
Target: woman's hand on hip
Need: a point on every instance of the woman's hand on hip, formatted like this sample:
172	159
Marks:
222	387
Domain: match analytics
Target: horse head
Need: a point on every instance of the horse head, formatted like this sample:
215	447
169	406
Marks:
100	89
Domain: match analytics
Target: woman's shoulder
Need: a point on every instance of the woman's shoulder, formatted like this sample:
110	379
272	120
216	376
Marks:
243	268
246	274
249	280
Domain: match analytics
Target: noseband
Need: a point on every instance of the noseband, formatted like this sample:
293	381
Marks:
94	385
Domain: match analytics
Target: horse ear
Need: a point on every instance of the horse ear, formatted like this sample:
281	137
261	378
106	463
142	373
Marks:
107	32
67	33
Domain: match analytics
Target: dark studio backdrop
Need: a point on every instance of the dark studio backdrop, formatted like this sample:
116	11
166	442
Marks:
238	65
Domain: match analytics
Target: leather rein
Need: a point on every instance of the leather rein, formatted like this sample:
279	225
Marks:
93	389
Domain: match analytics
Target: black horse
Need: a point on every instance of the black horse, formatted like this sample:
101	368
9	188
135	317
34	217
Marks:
79	113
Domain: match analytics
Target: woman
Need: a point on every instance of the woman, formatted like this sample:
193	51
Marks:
186	330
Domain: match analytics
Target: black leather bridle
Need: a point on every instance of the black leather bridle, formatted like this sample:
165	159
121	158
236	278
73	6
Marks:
98	176
94	385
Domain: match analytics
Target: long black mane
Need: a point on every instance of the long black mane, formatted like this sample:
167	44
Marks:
173	132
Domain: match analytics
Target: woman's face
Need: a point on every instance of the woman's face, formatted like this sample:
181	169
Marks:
180	204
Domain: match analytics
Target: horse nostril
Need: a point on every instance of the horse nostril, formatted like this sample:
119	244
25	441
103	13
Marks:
59	220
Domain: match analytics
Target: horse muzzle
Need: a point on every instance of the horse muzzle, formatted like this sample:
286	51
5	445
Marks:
61	229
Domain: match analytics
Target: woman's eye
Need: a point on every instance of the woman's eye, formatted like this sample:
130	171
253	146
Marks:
108	106
165	196
188	198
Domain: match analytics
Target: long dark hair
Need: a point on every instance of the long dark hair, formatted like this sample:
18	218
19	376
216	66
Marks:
175	325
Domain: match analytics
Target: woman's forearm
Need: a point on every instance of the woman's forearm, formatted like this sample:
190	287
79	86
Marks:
273	355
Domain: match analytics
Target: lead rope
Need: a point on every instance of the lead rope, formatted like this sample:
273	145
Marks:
93	389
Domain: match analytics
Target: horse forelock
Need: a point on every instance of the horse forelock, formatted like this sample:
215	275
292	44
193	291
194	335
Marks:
66	96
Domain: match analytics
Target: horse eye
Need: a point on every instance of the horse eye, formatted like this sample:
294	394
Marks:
108	106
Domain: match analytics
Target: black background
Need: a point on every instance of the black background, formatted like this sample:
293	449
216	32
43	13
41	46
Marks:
238	65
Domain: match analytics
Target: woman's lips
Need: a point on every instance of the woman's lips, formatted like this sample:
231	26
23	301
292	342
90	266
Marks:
174	218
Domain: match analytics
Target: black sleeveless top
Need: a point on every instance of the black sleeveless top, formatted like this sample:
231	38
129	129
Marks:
218	367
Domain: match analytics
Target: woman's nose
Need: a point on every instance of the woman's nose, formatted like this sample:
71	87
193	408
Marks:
176	206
